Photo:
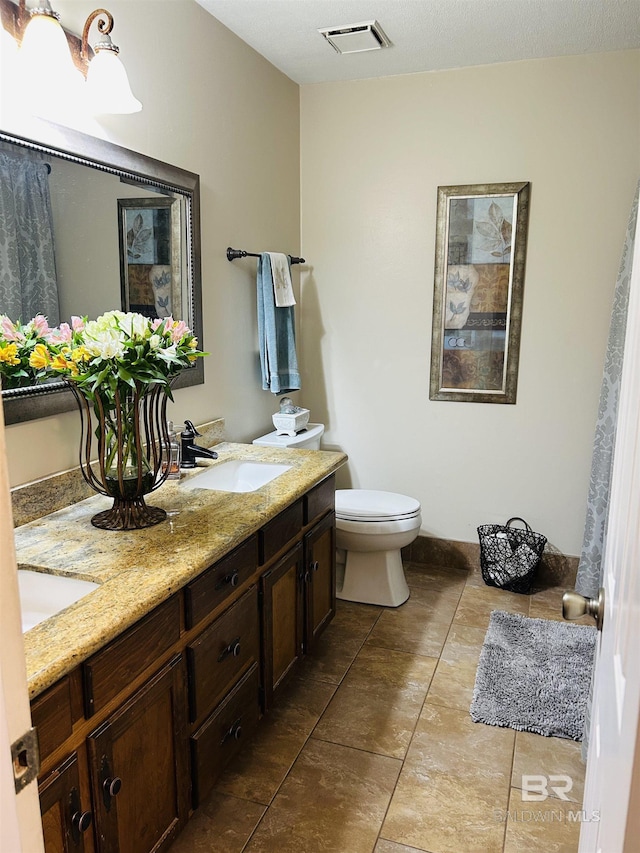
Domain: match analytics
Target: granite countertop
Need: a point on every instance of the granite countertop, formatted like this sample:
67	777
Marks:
138	570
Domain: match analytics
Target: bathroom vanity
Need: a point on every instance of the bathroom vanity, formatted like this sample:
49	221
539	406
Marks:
144	690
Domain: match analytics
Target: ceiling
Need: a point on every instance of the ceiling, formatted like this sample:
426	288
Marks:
426	35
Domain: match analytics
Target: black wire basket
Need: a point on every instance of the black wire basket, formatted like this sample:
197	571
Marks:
509	556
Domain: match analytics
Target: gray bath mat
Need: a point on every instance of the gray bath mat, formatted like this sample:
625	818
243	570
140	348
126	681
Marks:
533	675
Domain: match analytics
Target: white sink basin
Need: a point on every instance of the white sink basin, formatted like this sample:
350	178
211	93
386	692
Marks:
237	476
43	595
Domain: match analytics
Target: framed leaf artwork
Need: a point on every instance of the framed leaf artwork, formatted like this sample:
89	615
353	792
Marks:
481	241
150	272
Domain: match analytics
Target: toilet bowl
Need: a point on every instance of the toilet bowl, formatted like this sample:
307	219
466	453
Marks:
371	528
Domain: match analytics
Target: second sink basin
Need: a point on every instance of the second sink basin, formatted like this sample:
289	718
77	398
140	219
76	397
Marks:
237	476
43	595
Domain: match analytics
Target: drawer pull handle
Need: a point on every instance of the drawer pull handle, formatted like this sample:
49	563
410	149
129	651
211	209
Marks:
233	732
315	565
232	649
232	579
81	821
112	786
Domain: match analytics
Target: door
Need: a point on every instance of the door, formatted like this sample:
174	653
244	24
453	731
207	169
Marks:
65	825
611	780
281	589
320	580
19	813
138	767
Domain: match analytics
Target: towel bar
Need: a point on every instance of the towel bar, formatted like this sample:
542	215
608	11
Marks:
234	254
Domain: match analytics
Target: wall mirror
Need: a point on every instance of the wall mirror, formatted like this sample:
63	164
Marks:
103	198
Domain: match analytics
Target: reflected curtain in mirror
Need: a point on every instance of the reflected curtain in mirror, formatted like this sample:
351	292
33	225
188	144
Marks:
28	280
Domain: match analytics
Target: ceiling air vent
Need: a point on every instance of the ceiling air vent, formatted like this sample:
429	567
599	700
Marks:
356	38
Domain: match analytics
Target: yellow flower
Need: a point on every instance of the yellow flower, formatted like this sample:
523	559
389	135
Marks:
80	353
39	358
9	354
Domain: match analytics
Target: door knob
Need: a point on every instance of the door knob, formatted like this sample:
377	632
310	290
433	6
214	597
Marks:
575	605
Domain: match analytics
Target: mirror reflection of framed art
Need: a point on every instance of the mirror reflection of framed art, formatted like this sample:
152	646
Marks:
481	240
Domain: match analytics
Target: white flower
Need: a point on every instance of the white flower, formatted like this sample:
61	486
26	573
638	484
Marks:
155	341
135	325
103	343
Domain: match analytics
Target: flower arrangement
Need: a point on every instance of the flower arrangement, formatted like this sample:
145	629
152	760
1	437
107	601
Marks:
114	350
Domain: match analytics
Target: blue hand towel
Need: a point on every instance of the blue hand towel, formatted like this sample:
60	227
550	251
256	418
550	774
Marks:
276	336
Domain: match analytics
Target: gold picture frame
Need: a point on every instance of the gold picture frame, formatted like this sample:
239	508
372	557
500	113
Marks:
481	242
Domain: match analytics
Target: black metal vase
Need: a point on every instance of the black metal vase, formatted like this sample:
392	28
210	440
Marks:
130	430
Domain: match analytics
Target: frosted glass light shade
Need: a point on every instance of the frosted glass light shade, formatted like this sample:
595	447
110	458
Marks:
53	86
107	88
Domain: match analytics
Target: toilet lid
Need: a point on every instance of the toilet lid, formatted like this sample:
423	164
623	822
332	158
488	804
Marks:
371	505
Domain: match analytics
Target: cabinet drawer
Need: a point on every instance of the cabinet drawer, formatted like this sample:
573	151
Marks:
223	734
221	653
52	716
118	664
320	499
212	587
276	533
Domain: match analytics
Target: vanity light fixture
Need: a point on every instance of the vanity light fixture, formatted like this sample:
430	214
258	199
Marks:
53	63
108	89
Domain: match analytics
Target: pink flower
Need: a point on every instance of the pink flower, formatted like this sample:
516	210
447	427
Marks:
77	323
40	325
178	331
155	323
59	336
9	331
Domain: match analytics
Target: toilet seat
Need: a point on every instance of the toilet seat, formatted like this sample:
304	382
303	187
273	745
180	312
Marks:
369	505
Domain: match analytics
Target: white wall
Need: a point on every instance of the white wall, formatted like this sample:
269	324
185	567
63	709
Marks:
215	107
373	154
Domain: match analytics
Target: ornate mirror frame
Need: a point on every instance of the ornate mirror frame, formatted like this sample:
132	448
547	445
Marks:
39	401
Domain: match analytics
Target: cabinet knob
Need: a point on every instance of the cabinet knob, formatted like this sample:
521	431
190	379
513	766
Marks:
232	649
234	732
315	565
81	821
112	786
232	579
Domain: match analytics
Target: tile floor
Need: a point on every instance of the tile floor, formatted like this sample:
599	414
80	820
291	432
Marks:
372	749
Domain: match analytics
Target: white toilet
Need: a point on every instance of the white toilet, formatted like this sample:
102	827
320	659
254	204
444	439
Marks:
372	527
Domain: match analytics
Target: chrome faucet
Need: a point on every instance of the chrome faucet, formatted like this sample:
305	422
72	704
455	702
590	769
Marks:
192	451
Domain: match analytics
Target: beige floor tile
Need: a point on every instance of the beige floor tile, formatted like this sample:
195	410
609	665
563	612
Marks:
221	824
551	826
454	779
391	847
455	676
449	582
354	620
260	768
375	667
477	603
439	605
409	628
537	755
333	801
332	658
378	704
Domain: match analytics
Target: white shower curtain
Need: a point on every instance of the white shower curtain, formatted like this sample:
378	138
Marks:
28	281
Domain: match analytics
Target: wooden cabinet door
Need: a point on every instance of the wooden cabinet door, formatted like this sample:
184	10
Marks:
138	767
65	825
282	621
320	580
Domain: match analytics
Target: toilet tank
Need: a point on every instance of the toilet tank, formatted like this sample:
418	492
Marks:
306	439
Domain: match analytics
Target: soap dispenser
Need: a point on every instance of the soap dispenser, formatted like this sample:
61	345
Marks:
174	454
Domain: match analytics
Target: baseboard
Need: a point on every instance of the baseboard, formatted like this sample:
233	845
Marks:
556	569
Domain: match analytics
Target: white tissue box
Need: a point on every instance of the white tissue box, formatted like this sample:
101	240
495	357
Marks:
290	424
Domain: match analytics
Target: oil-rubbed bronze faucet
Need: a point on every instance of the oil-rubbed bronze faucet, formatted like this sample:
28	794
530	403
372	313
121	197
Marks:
190	450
